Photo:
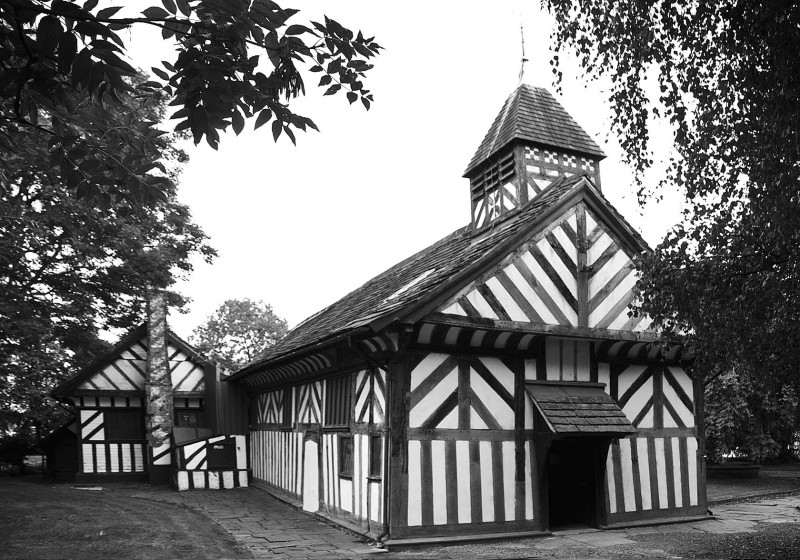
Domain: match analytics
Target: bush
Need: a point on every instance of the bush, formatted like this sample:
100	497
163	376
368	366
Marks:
13	450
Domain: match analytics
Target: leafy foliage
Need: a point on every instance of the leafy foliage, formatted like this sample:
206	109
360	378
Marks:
238	331
71	268
728	78
55	51
743	416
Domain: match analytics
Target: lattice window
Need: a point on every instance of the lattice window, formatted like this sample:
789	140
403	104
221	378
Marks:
337	402
346	456
375	456
287	420
190	418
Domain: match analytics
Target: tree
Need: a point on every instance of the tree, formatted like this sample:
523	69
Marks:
238	331
72	268
744	416
54	51
728	77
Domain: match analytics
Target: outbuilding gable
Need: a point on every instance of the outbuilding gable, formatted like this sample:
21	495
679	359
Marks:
121	371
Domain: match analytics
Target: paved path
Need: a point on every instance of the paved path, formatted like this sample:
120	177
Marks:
269	528
265	526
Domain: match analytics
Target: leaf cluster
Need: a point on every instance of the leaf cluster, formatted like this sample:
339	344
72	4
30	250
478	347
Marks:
55	51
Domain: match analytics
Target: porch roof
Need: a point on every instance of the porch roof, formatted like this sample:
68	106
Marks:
579	409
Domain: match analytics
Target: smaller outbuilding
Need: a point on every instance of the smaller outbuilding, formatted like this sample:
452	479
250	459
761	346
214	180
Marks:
206	419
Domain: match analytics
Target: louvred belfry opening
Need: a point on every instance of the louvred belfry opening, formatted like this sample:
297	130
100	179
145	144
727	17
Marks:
532	142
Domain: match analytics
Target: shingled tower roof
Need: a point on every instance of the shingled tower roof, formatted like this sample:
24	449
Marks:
532	114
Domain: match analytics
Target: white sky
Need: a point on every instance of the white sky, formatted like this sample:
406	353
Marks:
299	227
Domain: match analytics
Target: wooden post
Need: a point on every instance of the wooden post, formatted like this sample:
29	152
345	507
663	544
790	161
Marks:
522	175
700	430
583	273
158	391
398	404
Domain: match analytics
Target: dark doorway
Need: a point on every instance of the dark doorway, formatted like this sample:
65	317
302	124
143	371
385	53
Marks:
572	482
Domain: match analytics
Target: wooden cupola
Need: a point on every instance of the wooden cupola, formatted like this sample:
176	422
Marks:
532	142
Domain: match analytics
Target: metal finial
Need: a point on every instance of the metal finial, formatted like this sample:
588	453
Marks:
524	60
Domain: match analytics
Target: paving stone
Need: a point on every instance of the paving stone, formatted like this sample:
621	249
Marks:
601	539
730	526
641	530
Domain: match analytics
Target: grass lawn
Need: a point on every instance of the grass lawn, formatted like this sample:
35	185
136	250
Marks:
42	520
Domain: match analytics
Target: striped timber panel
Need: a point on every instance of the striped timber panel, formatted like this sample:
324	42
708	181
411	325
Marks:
611	280
370	396
122	457
497	202
648	474
212	480
162	455
269	407
652	397
537	285
277	459
567	360
455	482
464	470
448	393
100	456
193	456
542	167
127	372
309	403
187	375
359	496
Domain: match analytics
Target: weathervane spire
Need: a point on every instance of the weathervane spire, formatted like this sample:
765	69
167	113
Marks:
524	60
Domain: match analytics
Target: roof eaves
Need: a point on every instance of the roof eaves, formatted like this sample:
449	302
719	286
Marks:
294	353
617	221
188	348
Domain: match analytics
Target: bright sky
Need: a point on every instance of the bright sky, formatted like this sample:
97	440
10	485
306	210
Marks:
300	227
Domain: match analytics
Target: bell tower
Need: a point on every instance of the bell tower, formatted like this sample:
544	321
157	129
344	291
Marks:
532	142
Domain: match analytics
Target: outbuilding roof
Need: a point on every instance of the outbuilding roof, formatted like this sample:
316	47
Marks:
534	115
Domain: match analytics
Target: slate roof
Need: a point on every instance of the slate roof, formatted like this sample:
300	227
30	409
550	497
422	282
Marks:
533	114
411	280
579	408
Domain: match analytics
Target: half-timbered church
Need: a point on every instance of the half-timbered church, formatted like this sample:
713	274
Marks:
496	381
